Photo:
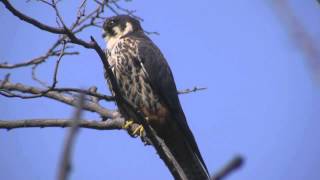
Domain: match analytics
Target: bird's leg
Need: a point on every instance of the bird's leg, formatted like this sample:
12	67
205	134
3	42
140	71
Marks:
139	131
134	129
131	127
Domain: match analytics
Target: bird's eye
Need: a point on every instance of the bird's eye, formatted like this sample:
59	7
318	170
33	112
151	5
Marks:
111	23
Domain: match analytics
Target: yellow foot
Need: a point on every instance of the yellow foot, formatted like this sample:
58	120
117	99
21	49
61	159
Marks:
127	124
138	131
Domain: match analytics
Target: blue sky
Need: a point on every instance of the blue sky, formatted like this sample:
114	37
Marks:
261	101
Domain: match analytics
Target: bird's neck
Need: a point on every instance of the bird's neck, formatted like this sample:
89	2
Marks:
112	41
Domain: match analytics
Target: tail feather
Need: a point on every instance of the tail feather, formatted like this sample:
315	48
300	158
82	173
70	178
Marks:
188	158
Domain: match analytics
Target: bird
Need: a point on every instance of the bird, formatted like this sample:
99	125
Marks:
145	79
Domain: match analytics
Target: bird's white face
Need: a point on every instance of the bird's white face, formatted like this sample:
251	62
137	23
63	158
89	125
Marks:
113	32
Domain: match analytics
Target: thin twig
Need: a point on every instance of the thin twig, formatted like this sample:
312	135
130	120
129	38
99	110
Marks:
187	91
231	166
33	61
55	74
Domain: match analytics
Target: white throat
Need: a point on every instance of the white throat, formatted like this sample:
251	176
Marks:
113	40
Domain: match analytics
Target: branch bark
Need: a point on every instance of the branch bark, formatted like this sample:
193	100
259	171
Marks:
30	20
89	106
110	124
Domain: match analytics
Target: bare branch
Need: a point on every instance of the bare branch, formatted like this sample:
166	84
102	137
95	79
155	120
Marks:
115	123
87	92
54	81
45	2
35	78
65	162
186	91
152	33
127	11
89	106
31	20
33	61
234	164
55	74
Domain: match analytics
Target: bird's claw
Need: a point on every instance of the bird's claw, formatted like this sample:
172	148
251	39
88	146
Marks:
139	131
127	124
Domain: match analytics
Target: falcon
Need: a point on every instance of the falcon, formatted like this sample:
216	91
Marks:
145	80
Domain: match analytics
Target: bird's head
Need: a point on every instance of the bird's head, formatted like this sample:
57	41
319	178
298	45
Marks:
118	26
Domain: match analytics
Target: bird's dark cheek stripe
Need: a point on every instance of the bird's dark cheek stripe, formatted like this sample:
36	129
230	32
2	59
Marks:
110	32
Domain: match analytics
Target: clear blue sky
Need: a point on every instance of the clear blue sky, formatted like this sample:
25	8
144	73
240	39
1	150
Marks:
261	100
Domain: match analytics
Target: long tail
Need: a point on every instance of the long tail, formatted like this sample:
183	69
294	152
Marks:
186	153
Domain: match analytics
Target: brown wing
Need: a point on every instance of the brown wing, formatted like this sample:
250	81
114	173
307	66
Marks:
162	82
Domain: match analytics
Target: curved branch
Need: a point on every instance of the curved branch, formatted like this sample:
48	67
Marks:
89	106
33	61
31	20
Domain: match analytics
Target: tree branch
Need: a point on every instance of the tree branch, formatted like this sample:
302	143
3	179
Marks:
31	20
115	123
234	164
33	61
89	106
65	162
194	89
87	92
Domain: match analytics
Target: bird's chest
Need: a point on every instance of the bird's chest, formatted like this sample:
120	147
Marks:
132	79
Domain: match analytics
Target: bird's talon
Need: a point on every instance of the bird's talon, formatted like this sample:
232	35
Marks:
138	131
127	124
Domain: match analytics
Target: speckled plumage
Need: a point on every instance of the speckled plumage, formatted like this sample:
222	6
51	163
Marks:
145	79
133	80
